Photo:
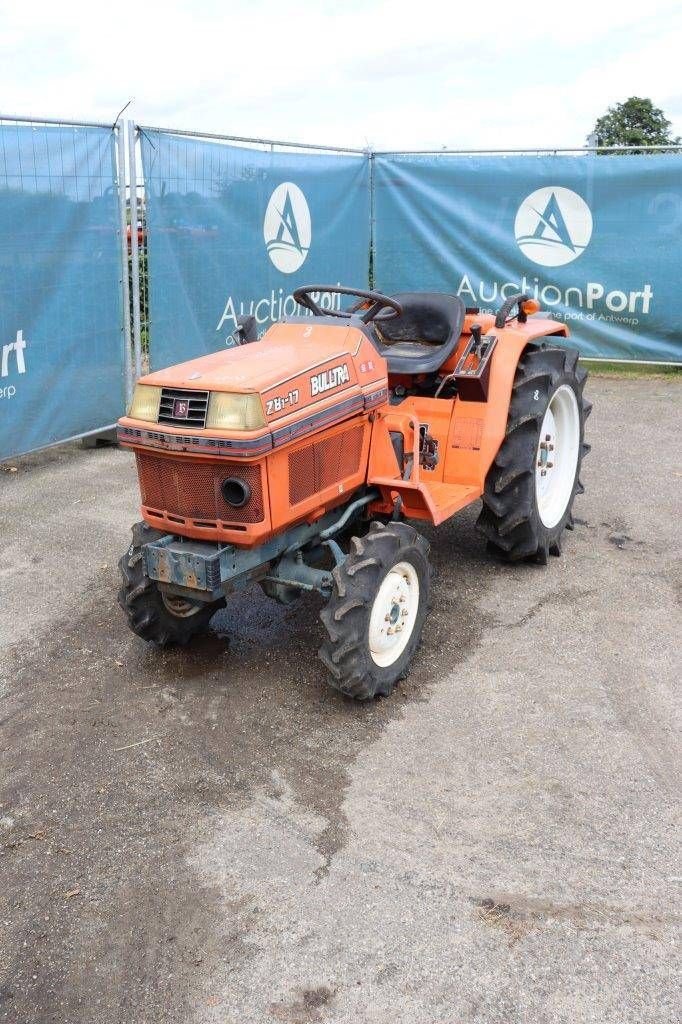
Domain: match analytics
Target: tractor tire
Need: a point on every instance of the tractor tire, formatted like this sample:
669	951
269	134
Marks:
150	613
383	584
531	485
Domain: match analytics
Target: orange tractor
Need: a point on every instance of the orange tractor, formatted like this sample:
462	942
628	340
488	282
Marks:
297	460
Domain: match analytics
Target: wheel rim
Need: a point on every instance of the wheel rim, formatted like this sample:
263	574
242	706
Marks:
557	455
394	614
181	607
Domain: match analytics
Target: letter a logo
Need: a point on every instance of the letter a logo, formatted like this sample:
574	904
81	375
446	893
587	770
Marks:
553	226
286	228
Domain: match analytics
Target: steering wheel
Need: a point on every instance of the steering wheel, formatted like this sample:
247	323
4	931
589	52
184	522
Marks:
376	305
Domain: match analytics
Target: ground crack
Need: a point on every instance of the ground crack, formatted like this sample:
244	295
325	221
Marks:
566	598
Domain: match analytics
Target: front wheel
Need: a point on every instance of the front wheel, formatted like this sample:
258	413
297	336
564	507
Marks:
531	486
375	615
154	615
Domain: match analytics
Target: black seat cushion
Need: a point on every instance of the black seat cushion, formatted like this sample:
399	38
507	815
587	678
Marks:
426	333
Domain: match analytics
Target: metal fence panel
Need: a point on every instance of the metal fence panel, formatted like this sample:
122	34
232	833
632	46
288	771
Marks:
598	239
61	350
234	230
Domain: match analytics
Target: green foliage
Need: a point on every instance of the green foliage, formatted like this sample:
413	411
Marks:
144	294
602	368
637	122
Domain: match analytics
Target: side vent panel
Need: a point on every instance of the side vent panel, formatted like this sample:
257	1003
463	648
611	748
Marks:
318	466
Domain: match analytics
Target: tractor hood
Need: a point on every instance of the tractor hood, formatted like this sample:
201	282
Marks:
285	352
306	375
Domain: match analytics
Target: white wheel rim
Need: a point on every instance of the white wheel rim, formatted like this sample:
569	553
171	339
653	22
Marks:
557	455
394	614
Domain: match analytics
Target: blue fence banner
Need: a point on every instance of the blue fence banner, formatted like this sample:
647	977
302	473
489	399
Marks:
61	348
596	239
233	231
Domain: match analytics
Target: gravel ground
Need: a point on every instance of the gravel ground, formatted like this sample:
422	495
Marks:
213	836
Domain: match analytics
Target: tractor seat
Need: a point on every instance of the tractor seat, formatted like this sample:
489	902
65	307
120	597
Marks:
424	336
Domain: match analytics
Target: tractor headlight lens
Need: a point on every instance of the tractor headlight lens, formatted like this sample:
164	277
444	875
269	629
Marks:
145	403
234	412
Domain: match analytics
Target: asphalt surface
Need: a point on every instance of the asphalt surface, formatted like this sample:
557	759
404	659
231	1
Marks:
213	835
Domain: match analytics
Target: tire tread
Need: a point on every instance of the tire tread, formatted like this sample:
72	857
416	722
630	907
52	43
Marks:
345	652
507	519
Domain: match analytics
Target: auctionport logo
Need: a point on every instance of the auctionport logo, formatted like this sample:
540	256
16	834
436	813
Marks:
553	226
286	228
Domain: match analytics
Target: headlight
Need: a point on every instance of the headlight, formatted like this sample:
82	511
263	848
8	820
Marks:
145	403
234	412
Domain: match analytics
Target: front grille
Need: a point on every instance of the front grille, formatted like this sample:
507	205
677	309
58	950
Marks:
191	490
327	462
174	399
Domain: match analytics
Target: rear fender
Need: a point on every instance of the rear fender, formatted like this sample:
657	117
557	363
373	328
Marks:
477	429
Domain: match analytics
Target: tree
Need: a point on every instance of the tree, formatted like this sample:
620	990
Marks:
637	122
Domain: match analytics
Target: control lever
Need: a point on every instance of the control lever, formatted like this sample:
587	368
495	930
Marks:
471	375
474	348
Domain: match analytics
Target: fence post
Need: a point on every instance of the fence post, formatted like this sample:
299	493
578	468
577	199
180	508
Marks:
134	249
125	288
372	222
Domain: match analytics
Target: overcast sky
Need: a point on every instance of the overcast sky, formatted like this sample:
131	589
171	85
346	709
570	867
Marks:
390	75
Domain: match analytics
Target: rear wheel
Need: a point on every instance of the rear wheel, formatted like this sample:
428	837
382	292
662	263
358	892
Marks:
375	615
531	486
154	615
